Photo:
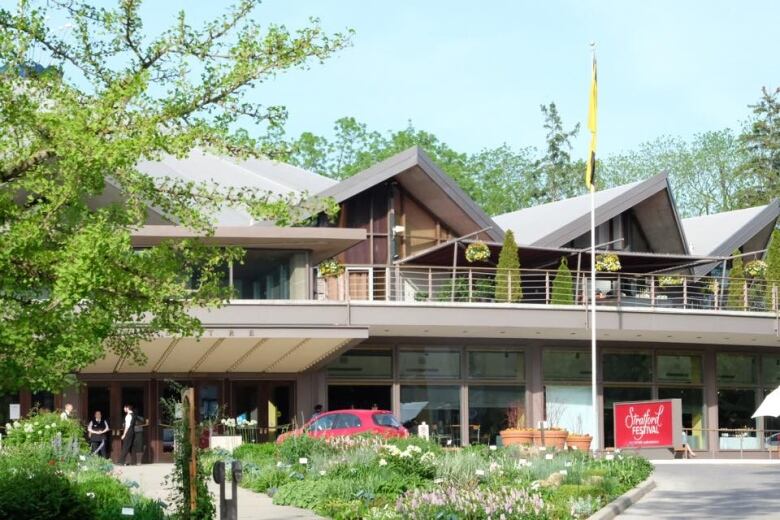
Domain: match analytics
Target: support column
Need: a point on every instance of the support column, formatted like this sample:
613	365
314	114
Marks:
534	386
711	401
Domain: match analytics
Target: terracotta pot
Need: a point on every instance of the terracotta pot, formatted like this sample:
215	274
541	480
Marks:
579	442
517	437
554	438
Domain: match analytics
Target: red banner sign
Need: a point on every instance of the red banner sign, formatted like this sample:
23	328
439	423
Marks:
648	424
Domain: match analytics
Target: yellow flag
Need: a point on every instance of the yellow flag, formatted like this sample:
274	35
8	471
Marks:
590	174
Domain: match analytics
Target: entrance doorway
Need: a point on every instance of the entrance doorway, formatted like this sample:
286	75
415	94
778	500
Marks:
341	397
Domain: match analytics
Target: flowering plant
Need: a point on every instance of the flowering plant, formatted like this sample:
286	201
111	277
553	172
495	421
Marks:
477	252
43	427
608	262
330	268
714	286
505	503
755	269
670	281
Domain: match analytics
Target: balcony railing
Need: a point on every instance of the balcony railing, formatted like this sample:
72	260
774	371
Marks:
546	287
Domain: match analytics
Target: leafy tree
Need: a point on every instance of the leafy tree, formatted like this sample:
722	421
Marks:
561	177
509	286
760	174
563	286
735	293
701	170
71	284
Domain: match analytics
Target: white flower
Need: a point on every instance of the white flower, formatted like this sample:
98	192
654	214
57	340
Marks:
16	424
438	480
82	458
322	472
382	462
90	494
279	464
48	427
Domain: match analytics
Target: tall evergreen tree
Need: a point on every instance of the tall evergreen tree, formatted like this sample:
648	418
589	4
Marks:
761	172
735	294
563	286
508	282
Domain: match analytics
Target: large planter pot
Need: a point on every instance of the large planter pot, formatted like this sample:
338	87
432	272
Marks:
579	442
225	442
516	437
554	438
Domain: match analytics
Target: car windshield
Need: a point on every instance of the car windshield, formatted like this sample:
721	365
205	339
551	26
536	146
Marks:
386	419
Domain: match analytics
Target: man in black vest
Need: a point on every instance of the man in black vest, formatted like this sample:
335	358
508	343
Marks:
128	435
97	429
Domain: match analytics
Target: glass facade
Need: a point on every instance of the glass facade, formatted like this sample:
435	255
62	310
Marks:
491	364
363	364
437	406
563	365
429	364
271	275
488	405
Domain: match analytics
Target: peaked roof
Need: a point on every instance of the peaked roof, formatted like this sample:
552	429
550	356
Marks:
555	224
719	234
262	174
418	174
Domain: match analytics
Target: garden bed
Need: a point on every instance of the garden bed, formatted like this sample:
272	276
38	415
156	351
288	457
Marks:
46	472
368	477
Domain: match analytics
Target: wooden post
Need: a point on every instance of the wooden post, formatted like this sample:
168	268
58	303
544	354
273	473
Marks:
188	401
652	291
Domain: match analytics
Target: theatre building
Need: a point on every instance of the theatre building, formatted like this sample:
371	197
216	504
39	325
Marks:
407	323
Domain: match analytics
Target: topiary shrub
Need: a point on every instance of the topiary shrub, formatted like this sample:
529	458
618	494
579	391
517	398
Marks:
509	287
563	286
735	293
773	268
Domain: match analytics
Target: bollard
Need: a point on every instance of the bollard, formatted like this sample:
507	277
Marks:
228	509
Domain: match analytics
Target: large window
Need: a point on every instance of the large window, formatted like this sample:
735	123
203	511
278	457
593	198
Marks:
271	275
496	364
628	367
363	364
679	369
564	365
437	406
736	369
693	413
488	406
429	364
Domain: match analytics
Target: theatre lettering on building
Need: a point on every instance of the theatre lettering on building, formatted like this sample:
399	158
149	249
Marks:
384	308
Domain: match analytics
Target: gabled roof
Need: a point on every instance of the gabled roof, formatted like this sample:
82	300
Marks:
555	224
261	174
720	234
416	172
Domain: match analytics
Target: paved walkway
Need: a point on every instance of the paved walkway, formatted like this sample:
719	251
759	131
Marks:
710	489
251	506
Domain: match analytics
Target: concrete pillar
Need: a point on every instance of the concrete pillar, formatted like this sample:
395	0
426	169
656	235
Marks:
711	400
534	385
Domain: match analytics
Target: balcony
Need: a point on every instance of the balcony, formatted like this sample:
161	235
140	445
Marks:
473	285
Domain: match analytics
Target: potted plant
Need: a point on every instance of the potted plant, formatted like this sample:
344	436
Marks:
477	252
579	441
516	431
330	271
755	269
608	263
670	281
554	436
230	439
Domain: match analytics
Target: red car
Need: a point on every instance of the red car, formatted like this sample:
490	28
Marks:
340	423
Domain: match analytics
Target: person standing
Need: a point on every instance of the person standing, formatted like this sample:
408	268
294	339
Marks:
67	412
97	429
317	411
128	436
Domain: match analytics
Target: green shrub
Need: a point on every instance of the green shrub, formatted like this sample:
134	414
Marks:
39	493
509	287
735	292
562	286
44	428
256	453
296	447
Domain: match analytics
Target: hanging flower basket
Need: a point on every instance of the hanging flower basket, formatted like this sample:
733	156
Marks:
608	262
670	281
330	268
477	252
755	269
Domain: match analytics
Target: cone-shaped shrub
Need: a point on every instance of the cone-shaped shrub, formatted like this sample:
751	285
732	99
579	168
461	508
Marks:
563	286
735	294
508	285
773	268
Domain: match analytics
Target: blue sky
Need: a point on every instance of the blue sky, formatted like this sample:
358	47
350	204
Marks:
475	73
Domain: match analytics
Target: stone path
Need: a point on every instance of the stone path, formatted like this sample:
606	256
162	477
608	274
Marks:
251	506
711	489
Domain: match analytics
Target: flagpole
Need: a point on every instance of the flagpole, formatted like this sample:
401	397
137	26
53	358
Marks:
593	356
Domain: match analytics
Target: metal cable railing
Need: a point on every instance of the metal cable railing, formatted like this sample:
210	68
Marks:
548	287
